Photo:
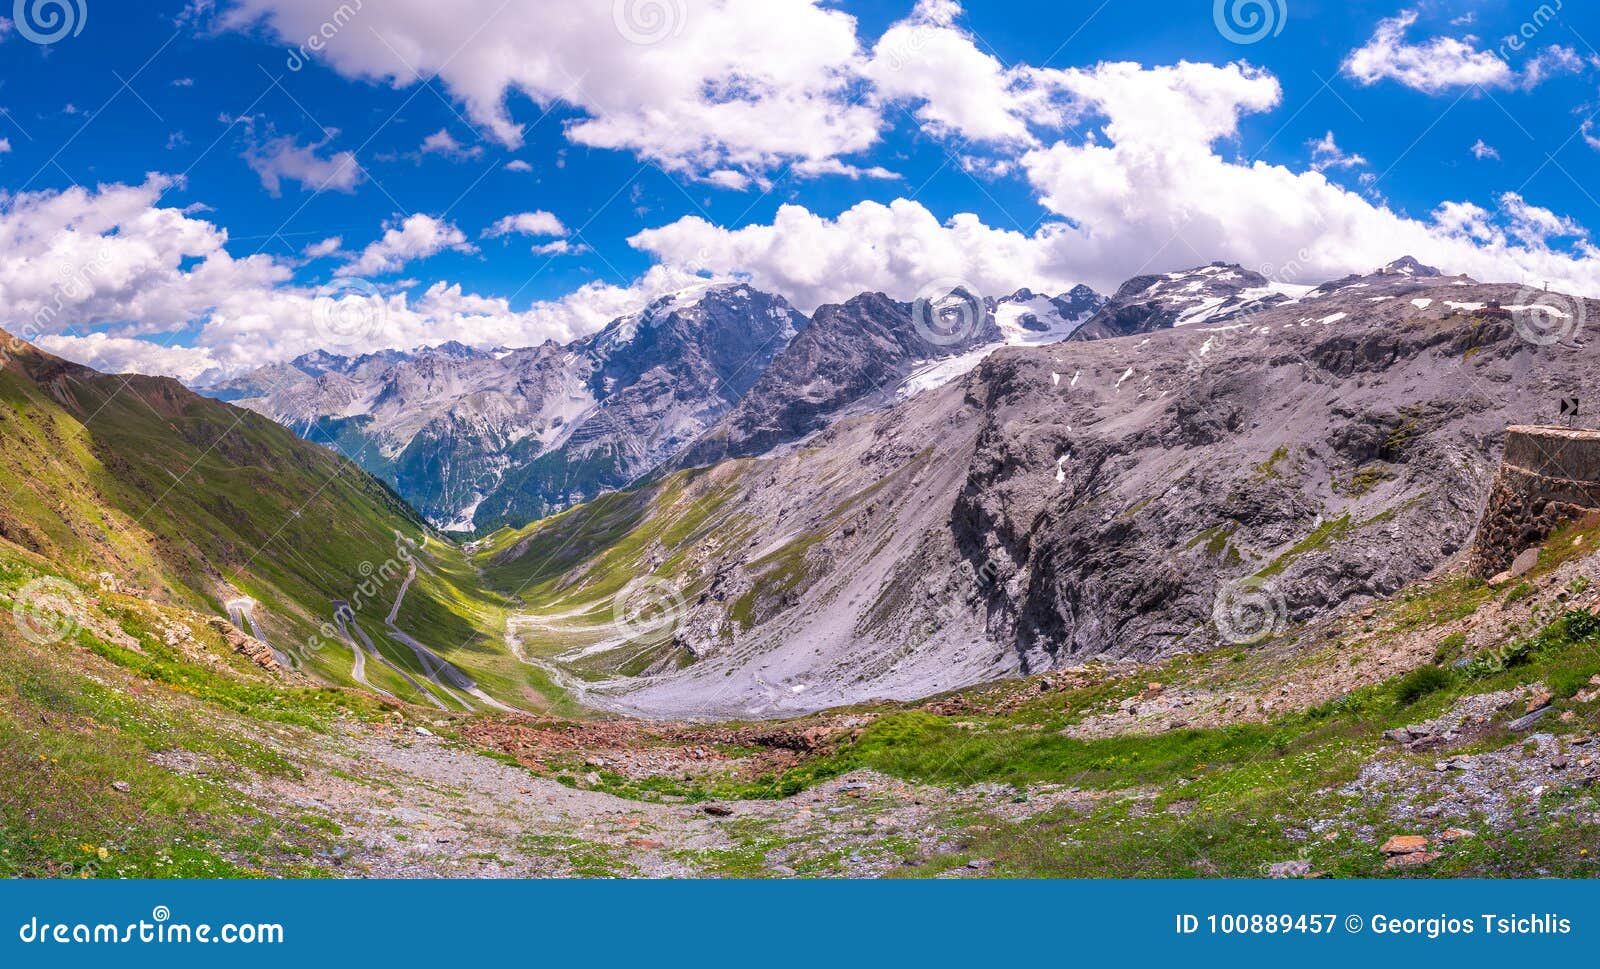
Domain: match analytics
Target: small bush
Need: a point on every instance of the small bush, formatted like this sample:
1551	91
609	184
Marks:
1420	682
1449	646
1522	591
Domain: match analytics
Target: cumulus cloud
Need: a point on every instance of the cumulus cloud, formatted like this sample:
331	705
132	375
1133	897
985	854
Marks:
899	249
330	246
1147	190
1326	154
5	145
1442	64
418	237
958	89
284	158
1553	61
560	247
740	84
82	257
1157	191
518	165
538	223
442	142
113	277
1480	150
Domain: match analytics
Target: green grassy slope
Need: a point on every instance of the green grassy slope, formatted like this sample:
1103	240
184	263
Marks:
192	501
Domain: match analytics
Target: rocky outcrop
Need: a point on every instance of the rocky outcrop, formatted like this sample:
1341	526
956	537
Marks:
247	646
1550	476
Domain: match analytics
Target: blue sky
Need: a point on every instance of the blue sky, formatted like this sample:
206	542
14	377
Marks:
174	162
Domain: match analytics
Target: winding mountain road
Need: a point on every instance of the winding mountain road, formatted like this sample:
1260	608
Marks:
436	667
242	613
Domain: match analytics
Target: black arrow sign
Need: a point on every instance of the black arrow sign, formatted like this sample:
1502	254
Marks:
1569	408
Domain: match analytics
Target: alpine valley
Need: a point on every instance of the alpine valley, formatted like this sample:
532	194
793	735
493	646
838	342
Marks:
960	586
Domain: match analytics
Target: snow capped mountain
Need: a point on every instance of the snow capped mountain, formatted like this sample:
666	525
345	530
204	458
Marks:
1023	319
1027	319
455	429
1208	294
872	351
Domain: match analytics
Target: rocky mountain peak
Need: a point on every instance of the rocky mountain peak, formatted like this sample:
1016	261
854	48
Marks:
1206	294
1409	266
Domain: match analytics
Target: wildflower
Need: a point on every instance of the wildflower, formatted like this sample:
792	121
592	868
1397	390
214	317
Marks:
103	854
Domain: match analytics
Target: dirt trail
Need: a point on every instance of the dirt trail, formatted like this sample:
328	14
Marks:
414	805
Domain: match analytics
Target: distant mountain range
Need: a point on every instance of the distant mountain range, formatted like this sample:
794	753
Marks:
475	439
478	439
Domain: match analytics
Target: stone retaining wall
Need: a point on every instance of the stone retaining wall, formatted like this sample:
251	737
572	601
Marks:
1550	476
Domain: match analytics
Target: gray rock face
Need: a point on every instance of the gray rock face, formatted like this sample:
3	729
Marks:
872	351
659	378
854	353
1118	498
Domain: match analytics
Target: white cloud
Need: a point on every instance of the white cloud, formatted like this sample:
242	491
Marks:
898	248
518	165
958	89
1551	62
1481	150
1442	64
1325	154
560	247
418	237
442	142
1433	67
1159	194
1589	136
1536	226
5	146
327	247
83	257
124	354
743	84
284	158
538	223
1148	191
111	276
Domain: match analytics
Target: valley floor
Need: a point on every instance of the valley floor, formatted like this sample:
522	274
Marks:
1463	717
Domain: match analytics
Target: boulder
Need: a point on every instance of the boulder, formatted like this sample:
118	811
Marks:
1404	844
